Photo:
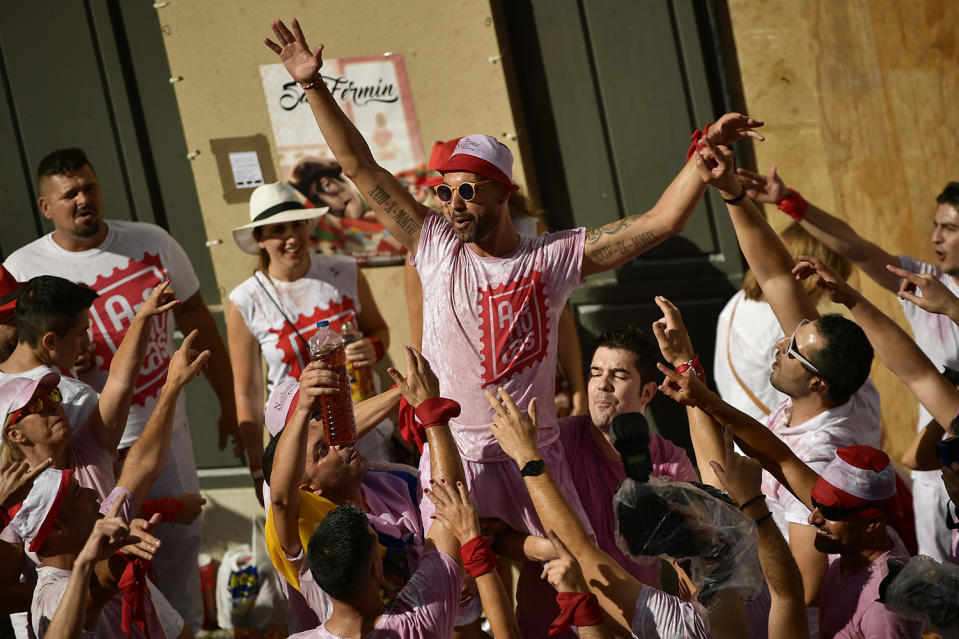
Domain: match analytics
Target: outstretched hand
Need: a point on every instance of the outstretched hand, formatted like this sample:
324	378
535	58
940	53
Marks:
742	477
16	480
420	382
769	189
671	333
685	388
515	430
109	534
302	63
933	296
563	573
716	167
832	284
186	363
454	509
140	542
733	126
161	299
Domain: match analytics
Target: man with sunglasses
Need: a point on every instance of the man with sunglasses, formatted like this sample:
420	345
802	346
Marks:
822	366
491	297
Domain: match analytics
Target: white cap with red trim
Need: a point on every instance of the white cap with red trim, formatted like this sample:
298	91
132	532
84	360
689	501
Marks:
34	519
858	477
483	155
17	392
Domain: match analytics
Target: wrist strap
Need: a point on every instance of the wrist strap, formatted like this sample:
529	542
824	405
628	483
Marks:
410	429
695	365
310	85
739	198
575	609
742	506
764	517
436	410
168	507
478	557
794	205
696	141
378	347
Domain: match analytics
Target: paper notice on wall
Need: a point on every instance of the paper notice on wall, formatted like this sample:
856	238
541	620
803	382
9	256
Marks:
247	173
374	93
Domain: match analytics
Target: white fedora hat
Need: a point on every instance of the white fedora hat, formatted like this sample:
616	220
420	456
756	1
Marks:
273	204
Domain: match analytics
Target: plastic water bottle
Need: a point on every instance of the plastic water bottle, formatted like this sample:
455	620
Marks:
335	411
361	377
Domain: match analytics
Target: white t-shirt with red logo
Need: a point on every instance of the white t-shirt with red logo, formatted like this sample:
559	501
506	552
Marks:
133	258
269	307
492	321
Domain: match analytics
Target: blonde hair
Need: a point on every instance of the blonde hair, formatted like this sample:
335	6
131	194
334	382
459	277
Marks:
799	242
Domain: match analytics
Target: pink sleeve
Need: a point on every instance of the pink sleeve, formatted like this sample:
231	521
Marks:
669	460
126	511
659	614
564	250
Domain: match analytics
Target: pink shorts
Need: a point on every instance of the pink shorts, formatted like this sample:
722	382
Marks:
498	490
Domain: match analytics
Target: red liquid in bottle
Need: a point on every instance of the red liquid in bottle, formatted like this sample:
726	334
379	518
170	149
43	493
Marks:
335	411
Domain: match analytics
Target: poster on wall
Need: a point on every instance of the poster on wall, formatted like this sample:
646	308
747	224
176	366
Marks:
374	93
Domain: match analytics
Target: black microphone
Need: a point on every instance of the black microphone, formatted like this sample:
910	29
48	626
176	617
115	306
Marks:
630	437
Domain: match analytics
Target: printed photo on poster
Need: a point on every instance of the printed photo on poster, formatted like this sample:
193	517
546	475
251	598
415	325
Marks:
374	93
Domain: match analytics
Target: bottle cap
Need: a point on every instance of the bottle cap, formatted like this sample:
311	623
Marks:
323	324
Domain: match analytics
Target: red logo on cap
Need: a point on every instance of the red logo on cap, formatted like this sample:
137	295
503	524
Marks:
295	352
513	325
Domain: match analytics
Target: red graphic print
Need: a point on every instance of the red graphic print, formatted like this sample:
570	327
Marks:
296	355
121	294
513	326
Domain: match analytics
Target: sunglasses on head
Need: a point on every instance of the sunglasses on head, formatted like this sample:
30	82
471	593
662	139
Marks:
794	353
36	405
467	190
836	513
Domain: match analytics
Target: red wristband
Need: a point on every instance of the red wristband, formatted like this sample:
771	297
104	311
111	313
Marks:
168	507
695	365
794	205
378	347
436	410
575	609
410	429
695	139
478	557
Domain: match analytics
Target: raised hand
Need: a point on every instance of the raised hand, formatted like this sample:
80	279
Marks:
302	63
161	299
685	388
832	284
715	165
186	363
454	509
761	188
140	543
192	507
515	431
420	382
671	333
16	480
109	534
934	296
563	573
316	380
742	477
733	126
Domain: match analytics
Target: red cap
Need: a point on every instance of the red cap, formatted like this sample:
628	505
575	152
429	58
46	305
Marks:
483	155
9	290
440	153
859	476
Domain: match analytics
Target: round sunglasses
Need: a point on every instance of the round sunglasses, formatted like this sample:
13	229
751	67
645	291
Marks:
467	190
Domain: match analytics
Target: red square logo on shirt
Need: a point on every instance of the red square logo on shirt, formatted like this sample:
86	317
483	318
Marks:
296	354
513	325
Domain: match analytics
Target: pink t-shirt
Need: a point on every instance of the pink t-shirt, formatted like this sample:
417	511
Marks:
658	614
596	478
815	442
492	321
426	608
848	607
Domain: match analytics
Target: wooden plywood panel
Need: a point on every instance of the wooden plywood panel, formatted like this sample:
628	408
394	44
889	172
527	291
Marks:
216	46
859	97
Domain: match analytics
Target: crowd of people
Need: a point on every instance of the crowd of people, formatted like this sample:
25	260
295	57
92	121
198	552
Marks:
792	522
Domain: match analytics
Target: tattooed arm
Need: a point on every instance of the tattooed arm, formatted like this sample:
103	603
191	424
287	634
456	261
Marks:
393	204
618	242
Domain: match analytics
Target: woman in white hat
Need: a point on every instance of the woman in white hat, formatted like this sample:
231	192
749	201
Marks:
273	313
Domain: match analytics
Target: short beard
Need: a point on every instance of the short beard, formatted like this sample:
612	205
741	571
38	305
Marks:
87	230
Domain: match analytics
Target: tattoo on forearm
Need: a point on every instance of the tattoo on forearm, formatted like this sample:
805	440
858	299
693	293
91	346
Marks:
391	207
628	246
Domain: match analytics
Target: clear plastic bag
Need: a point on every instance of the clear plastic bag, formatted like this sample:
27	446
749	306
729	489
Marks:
924	589
711	538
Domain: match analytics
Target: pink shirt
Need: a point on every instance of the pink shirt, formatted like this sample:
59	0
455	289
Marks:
426	607
492	322
658	614
596	478
815	442
848	607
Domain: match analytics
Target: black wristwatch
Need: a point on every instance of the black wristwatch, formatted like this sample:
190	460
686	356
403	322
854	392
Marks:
533	468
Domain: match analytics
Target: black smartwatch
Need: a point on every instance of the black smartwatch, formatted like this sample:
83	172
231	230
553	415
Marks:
533	468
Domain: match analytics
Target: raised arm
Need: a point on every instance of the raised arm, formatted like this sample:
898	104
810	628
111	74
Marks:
826	228
893	346
392	202
618	242
768	258
147	456
109	418
289	460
